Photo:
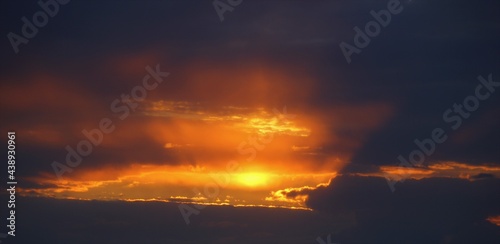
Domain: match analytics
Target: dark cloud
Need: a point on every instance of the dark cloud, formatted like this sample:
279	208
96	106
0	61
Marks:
393	92
429	210
156	222
483	176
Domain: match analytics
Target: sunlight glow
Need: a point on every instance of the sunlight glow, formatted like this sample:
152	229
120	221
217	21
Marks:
253	179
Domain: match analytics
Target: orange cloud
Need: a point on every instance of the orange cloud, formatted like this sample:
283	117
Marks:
176	183
438	169
204	117
494	220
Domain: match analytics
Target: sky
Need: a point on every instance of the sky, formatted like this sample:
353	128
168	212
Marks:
246	121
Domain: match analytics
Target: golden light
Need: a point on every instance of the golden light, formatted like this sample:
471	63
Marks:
253	179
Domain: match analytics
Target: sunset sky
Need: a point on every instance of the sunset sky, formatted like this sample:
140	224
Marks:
156	122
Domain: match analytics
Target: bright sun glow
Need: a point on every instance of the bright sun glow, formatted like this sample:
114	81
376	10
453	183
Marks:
253	179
